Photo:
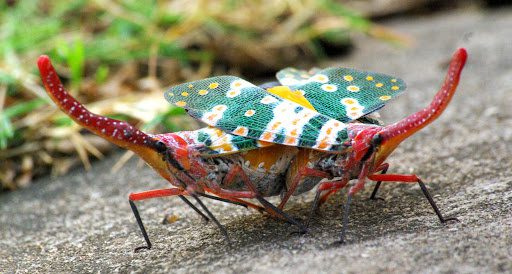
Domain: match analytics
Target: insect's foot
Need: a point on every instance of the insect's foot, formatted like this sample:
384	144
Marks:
300	232
307	224
138	249
450	219
228	241
338	243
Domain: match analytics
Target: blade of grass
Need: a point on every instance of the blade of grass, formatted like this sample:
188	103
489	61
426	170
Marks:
82	153
6	128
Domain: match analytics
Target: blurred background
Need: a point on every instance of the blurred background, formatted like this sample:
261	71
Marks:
119	56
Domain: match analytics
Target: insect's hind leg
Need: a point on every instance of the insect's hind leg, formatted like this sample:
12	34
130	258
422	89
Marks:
157	193
412	178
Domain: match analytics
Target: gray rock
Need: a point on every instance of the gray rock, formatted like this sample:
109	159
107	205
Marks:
82	222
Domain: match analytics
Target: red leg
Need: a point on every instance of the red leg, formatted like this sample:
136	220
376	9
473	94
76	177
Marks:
403	178
412	178
148	195
230	177
236	200
303	173
155	194
353	190
164	193
326	196
360	179
382	167
341	184
332	188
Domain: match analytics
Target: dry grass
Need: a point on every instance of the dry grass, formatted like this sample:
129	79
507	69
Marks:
119	55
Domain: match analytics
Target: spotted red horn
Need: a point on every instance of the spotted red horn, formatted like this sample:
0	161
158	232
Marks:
115	131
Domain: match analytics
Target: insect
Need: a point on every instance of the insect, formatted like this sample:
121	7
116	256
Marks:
192	168
282	140
317	113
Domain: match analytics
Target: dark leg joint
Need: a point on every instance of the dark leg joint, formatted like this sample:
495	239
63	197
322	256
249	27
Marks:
221	199
205	218
377	186
374	193
141	226
314	208
346	214
266	204
442	219
221	227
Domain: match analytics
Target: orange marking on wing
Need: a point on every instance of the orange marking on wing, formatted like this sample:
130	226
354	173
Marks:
267	136
240	131
211	117
290	140
263	143
276	125
323	145
226	147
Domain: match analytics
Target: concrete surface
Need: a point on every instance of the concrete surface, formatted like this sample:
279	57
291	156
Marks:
82	222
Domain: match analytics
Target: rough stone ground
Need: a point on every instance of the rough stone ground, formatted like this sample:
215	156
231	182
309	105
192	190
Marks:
82	222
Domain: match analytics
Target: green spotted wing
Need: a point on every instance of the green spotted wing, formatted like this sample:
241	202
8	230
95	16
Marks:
341	93
211	141
241	108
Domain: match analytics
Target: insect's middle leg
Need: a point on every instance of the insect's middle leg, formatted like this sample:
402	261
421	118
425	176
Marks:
238	172
412	178
229	195
304	172
331	187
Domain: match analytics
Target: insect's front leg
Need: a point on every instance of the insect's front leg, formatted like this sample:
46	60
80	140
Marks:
353	190
412	178
157	193
384	168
